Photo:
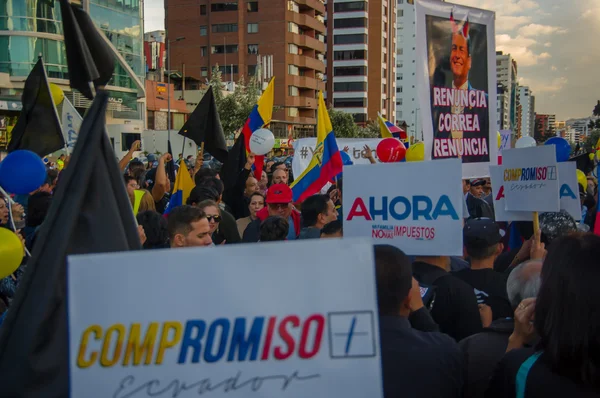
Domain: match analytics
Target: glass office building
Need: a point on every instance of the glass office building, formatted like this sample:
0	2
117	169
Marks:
32	27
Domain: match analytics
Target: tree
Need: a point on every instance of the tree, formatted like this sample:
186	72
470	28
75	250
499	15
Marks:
343	124
596	111
590	142
371	130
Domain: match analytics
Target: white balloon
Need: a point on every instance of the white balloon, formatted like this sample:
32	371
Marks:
525	142
261	142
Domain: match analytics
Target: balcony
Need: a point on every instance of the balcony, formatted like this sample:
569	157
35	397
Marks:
305	21
306	62
305	41
318	5
301	102
304	82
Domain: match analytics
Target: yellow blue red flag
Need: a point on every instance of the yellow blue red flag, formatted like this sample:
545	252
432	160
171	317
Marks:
326	162
389	129
183	186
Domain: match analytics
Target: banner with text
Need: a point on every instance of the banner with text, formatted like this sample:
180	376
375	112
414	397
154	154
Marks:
456	77
304	148
530	179
568	194
421	216
505	143
213	335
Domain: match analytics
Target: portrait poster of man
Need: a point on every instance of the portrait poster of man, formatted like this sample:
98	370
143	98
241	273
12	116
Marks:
456	80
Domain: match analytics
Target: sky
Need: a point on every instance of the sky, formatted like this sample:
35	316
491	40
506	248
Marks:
553	42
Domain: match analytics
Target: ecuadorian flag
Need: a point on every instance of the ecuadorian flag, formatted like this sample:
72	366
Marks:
326	162
261	115
183	186
389	129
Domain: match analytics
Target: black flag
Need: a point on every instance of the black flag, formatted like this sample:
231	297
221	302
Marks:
38	128
90	213
204	126
170	166
89	58
236	160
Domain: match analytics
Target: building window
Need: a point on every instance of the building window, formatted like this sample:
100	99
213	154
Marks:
350	23
251	70
292	27
224	49
383	104
400	51
293	91
226	70
400	13
252	48
293	6
400	1
350	39
399	102
203	51
349	55
293	49
203	9
384	88
400	64
350	103
399	89
399	76
252	6
203	31
385	26
385	42
225	28
204	71
350	86
292	112
351	6
350	71
217	7
359	117
151	120
252	28
293	70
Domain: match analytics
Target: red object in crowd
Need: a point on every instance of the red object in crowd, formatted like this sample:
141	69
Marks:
391	150
499	160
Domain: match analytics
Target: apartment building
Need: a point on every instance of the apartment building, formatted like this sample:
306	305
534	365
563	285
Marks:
236	35
361	76
527	101
506	74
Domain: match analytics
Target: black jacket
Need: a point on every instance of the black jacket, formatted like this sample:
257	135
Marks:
418	364
479	208
483	351
455	308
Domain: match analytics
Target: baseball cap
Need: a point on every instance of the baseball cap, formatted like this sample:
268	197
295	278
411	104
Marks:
279	193
477	182
481	232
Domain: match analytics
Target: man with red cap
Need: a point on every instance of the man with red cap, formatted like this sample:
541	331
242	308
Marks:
279	204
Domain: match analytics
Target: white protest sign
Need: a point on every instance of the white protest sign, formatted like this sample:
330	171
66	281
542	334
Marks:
71	122
569	189
504	140
530	179
171	325
304	148
420	215
568	193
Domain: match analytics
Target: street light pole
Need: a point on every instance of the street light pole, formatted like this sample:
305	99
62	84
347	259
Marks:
169	84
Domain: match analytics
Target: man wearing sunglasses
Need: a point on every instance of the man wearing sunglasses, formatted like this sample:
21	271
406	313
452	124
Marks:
279	204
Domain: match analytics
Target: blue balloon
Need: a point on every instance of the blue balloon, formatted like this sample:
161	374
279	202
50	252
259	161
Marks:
22	172
346	161
562	146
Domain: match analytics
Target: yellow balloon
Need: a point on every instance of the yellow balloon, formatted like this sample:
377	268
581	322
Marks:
582	179
598	155
416	152
499	140
592	156
57	94
11	252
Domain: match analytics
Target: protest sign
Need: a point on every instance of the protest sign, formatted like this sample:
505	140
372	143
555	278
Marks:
568	193
530	179
172	326
505	143
420	215
71	122
304	148
457	88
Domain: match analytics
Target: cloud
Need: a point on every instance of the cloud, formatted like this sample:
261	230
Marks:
520	49
548	44
533	30
509	23
543	86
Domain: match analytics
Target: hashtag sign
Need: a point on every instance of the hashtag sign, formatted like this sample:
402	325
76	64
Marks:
304	152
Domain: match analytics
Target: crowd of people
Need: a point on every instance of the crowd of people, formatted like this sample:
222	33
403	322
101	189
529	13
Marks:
517	316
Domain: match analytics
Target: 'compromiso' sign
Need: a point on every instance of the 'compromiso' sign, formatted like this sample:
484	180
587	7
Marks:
184	323
421	215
